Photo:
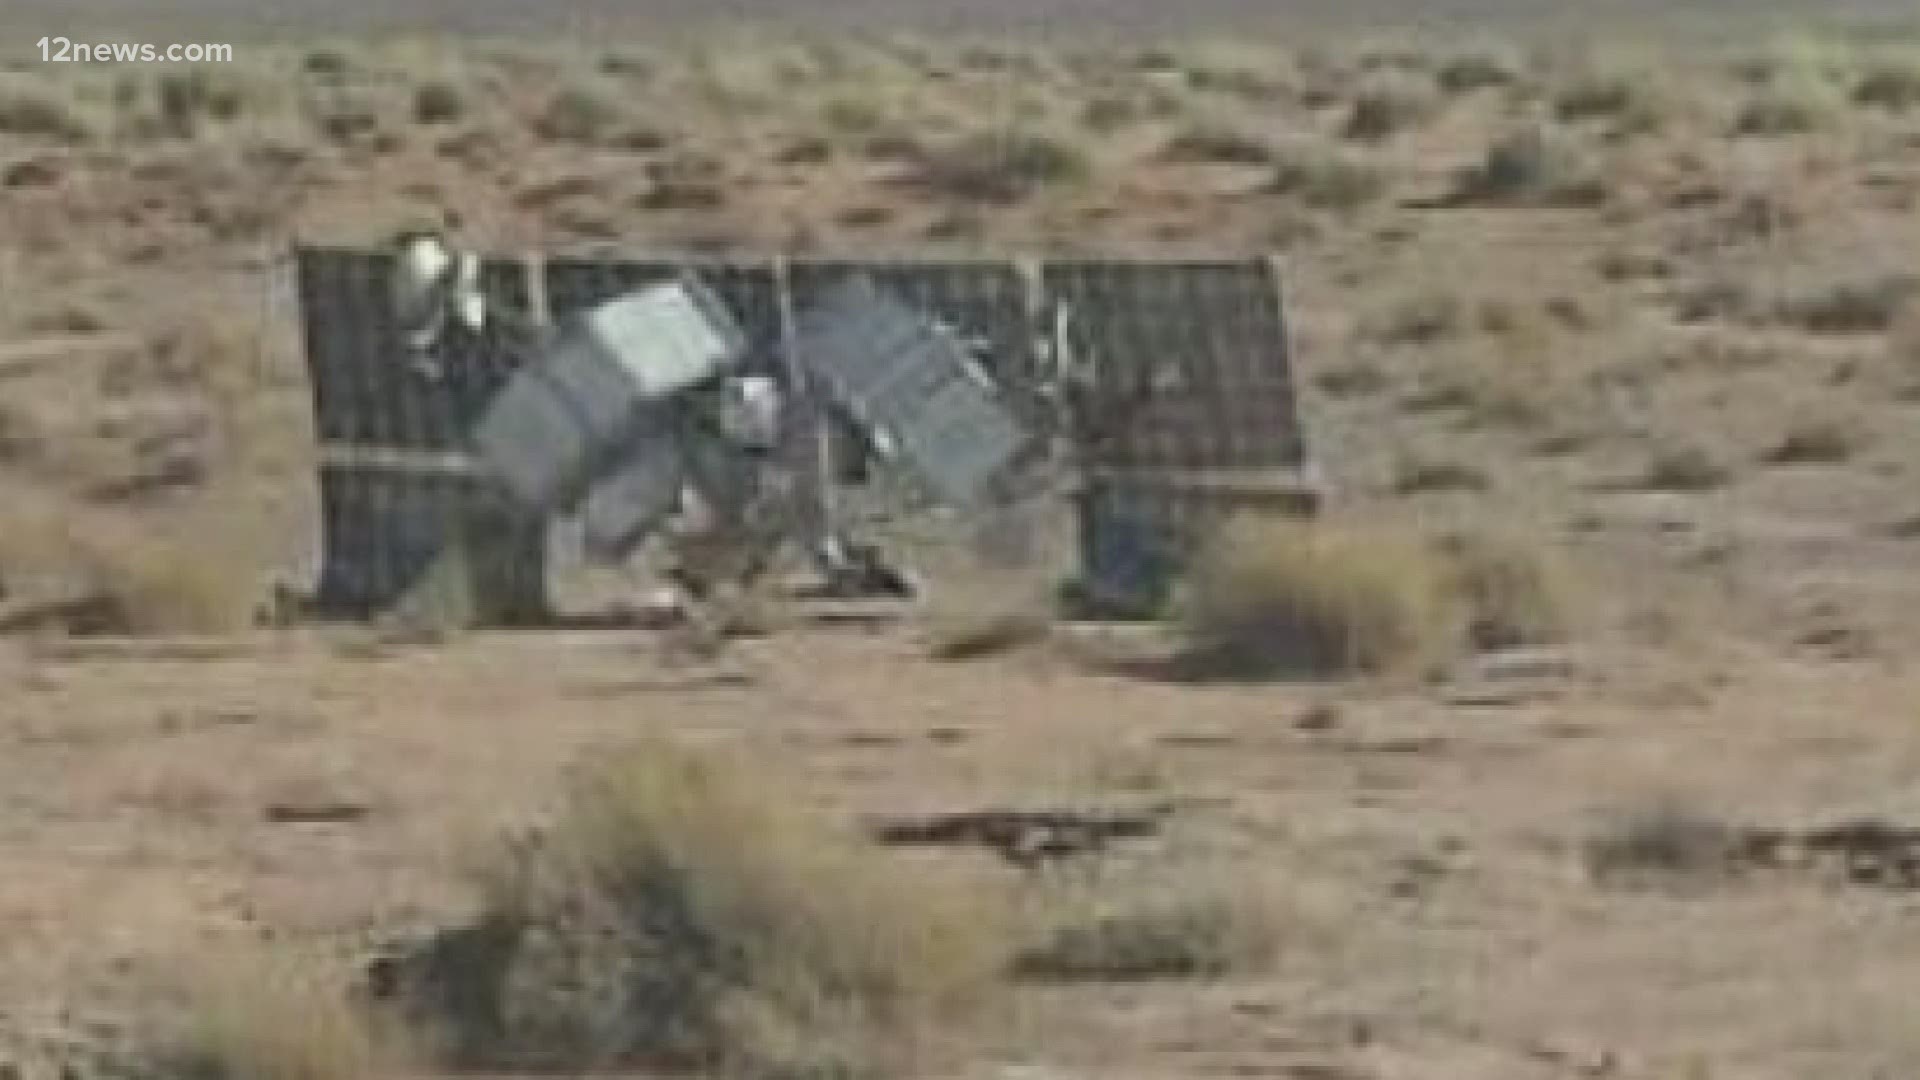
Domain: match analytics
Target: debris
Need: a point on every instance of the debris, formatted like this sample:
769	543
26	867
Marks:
1527	664
1023	837
1868	852
925	403
318	813
599	385
449	417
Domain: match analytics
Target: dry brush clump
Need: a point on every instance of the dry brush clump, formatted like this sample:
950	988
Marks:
1515	589
1889	81
1678	465
1389	104
1002	167
1195	930
32	107
1327	178
1801	93
1533	166
678	912
1818	440
1214	143
74	570
260	1016
1276	597
1631	98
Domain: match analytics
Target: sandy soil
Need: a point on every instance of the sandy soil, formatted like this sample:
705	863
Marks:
1752	622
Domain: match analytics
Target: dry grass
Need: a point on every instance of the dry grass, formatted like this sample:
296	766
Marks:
1514	588
1533	166
581	114
260	1017
1278	597
1216	144
80	571
1002	168
1630	98
35	108
1850	305
680	911
1478	69
1684	467
1796	104
439	101
1890	82
1391	104
1825	440
1325	178
1415	475
1193	931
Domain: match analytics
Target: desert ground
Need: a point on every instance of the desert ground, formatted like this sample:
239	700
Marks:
1639	319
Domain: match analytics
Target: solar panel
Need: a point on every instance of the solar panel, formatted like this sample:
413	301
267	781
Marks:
913	385
1187	412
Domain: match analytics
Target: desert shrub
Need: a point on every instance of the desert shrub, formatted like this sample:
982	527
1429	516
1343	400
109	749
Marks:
32	108
578	114
690	182
1479	69
679	911
1192	934
1594	94
1002	168
1420	319
327	63
1512	589
438	101
1483	393
261	1018
1389	104
1273	596
1797	105
1661	839
1417	475
1816	441
1633	100
186	97
1532	166
77	571
853	116
1217	145
1889	82
152	584
1326	179
1854	305
1356	379
1684	467
346	116
1105	114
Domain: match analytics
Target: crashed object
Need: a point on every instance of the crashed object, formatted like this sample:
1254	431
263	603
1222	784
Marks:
433	287
915	388
1162	390
599	388
636	497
